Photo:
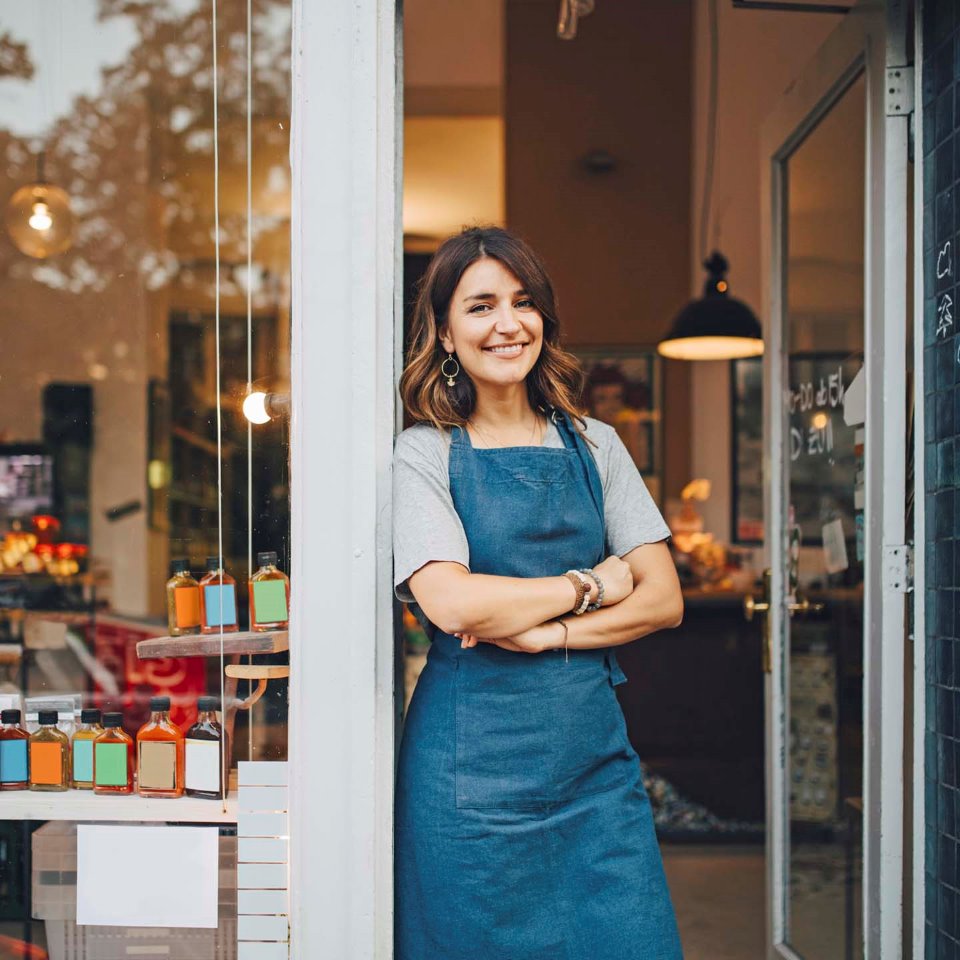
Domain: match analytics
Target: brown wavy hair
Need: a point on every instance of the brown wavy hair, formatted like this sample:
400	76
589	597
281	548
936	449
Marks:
554	383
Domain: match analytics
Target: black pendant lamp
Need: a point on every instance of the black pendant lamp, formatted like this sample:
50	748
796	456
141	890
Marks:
715	327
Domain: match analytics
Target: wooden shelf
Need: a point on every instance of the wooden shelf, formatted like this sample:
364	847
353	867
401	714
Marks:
84	805
208	644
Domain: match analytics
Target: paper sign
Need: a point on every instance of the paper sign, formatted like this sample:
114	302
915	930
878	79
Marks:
46	763
270	601
186	601
111	764
133	876
83	761
212	598
13	761
834	547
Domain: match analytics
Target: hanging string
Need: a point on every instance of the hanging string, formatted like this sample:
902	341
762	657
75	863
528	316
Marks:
708	165
249	331
216	313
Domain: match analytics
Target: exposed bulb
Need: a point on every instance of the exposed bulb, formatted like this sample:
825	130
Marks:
40	219
255	407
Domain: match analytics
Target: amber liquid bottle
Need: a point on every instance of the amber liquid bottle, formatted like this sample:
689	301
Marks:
113	758
81	749
183	600
269	595
49	755
205	752
160	753
13	752
218	599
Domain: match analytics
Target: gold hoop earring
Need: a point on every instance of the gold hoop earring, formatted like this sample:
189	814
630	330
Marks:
450	375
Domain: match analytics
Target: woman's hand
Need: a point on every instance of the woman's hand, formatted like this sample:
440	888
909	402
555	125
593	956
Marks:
546	636
617	580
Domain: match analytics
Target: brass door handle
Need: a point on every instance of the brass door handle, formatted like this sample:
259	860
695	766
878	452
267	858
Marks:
751	606
803	606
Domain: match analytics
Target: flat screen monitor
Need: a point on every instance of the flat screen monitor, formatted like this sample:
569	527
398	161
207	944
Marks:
26	481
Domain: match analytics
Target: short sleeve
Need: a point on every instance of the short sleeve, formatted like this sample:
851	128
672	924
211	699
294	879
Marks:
631	516
426	526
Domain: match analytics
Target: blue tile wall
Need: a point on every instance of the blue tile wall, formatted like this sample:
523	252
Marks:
940	79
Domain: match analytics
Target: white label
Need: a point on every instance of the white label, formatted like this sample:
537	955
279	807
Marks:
203	765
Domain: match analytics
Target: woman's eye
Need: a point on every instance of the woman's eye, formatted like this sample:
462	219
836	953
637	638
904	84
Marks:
525	303
478	307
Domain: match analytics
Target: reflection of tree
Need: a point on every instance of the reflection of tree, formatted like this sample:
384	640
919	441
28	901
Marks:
137	159
14	61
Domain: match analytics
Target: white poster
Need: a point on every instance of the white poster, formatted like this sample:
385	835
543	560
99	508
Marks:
138	876
834	547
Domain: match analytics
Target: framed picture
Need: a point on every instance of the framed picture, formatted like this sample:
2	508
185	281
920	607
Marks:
823	471
623	388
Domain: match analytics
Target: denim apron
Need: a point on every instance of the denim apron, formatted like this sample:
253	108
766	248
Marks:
523	831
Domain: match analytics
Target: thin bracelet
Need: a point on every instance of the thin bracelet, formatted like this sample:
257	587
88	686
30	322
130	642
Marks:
566	638
596	579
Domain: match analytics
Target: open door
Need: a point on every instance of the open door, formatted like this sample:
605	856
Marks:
835	221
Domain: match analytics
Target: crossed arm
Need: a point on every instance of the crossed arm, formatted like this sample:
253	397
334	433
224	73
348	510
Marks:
521	614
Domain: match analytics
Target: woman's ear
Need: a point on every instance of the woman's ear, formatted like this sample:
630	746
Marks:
446	341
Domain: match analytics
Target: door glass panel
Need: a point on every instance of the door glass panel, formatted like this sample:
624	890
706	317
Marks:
823	544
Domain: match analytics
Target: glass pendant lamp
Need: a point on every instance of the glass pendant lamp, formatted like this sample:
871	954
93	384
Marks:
38	217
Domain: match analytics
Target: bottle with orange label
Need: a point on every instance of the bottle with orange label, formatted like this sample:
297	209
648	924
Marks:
49	755
183	600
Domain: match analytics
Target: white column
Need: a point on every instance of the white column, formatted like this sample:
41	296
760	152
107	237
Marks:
345	255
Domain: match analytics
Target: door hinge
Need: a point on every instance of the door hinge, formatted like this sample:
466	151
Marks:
898	568
899	91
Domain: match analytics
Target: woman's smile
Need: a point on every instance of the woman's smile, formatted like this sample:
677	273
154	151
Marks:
506	350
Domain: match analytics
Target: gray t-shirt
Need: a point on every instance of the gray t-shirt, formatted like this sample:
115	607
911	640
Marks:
426	526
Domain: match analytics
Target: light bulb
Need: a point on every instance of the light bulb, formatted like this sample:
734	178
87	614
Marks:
255	407
40	219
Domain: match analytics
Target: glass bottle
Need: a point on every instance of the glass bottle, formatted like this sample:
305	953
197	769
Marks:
205	751
160	753
49	755
113	757
218	590
81	749
13	752
183	600
269	595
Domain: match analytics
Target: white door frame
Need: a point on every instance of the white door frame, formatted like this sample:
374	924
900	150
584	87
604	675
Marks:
345	257
869	38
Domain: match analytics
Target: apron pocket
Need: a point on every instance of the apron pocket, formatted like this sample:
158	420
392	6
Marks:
540	746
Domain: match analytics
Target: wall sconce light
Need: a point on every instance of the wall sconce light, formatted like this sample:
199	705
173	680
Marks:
260	407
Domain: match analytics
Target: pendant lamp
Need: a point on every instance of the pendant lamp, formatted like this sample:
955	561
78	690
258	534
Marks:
715	327
38	218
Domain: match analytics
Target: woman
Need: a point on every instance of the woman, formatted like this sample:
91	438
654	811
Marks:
523	831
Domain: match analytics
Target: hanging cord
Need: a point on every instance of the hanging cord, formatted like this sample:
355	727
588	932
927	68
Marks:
249	333
707	195
216	248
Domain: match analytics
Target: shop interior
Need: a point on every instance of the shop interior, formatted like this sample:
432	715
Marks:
131	340
626	160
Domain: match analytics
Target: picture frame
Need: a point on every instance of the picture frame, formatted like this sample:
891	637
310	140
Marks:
623	387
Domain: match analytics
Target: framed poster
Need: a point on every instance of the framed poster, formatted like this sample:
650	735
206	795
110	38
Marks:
622	387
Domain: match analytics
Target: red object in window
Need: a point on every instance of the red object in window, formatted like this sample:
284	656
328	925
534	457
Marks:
46	527
183	679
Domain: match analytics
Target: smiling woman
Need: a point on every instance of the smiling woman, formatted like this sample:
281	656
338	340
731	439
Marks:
530	547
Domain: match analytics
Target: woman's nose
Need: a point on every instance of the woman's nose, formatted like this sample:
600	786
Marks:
507	322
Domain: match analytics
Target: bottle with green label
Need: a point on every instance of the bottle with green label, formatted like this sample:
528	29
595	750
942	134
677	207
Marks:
113	757
269	595
82	749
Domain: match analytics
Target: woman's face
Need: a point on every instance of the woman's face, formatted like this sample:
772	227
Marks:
493	326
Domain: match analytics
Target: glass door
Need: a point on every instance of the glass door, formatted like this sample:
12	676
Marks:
833	380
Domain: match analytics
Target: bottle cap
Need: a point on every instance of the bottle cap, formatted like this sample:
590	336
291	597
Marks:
47	718
267	558
113	719
181	565
213	564
207	704
90	716
159	703
9	716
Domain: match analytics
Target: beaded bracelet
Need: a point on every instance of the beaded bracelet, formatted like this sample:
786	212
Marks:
583	591
596	579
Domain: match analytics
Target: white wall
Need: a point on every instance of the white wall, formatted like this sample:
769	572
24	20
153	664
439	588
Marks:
760	54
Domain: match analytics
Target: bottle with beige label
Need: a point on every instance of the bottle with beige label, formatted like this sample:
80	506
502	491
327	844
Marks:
160	753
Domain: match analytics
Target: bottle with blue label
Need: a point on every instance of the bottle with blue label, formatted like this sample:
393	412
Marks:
14	770
81	747
218	599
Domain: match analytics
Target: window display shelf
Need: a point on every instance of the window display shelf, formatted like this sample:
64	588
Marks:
208	644
83	805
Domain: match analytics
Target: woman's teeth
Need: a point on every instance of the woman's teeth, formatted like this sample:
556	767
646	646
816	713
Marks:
509	350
